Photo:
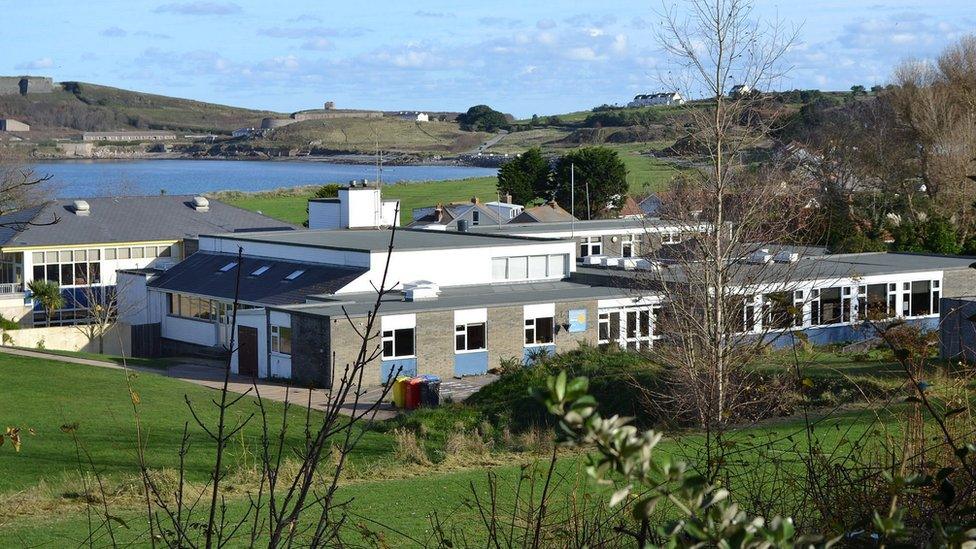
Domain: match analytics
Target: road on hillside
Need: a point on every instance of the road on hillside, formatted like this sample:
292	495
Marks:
483	148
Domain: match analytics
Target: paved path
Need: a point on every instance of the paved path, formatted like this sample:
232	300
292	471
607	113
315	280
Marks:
210	374
483	148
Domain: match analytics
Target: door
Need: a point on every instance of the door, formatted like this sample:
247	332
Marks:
247	351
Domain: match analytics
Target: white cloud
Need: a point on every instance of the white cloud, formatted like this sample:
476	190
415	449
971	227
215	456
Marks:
199	8
41	63
318	44
114	32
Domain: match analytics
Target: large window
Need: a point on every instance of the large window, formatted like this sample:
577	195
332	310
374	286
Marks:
628	246
921	297
469	337
830	306
398	343
138	252
627	327
68	267
280	339
534	267
538	331
591	245
195	308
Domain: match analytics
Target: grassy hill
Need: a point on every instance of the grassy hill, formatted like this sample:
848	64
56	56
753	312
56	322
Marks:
79	106
388	133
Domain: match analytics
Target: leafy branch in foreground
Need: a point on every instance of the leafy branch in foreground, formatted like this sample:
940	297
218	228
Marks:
623	458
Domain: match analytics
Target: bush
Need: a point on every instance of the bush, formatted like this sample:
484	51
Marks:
7	324
328	191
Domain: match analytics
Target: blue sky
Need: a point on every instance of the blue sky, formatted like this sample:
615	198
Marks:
523	57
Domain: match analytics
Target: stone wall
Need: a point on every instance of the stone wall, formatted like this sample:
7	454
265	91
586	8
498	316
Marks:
958	283
11	85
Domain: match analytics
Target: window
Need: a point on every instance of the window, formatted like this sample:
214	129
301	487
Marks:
398	343
873	304
295	274
68	267
469	337
670	238
164	251
921	298
110	253
781	311
538	331
228	266
194	308
475	217
534	267
123	253
137	252
591	245
261	270
627	246
280	340
830	306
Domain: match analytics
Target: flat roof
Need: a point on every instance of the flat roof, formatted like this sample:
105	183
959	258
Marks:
567	226
374	240
462	297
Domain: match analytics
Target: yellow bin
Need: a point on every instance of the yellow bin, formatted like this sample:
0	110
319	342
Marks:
399	391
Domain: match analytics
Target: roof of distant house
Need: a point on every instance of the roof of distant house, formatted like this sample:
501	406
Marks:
550	212
451	213
125	219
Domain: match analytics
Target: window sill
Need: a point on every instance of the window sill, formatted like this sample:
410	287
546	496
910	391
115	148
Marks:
201	320
531	345
470	351
388	358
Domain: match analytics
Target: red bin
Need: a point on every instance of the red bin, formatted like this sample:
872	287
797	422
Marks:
413	393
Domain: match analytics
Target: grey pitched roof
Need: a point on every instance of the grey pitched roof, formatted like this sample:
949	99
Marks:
454	212
126	219
200	275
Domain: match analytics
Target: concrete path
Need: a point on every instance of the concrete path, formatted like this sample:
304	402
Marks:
210	374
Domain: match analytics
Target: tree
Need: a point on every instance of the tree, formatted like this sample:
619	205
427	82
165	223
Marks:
482	118
858	90
601	181
525	177
48	294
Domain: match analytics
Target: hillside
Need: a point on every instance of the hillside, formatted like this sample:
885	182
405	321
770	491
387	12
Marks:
78	106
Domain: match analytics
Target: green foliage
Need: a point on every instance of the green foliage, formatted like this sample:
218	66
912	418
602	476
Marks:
330	190
482	118
601	180
48	294
934	235
858	242
7	324
526	177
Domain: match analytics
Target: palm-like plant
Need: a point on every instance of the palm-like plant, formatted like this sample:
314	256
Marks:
48	294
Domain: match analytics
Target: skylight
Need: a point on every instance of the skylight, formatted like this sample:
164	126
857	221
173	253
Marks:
228	267
295	274
261	270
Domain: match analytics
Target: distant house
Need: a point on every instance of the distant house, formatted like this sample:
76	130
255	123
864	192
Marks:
550	212
739	90
414	116
663	98
243	132
505	209
651	206
147	135
11	125
447	216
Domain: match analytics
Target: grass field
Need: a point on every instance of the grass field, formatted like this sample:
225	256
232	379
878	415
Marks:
294	207
364	135
40	504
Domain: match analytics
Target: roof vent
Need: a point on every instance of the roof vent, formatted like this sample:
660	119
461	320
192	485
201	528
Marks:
786	257
201	204
420	290
81	207
759	257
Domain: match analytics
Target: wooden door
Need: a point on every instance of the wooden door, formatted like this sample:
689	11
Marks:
247	351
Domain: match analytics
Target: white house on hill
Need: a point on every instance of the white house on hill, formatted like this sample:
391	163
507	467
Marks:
663	98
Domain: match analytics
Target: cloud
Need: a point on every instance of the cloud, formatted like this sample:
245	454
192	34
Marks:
41	63
312	32
200	7
545	24
899	34
434	14
114	32
319	44
499	22
157	35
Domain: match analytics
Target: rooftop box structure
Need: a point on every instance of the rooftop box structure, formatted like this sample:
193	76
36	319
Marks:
360	205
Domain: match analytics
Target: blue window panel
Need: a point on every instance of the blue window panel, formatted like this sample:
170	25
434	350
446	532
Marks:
845	334
529	353
471	364
398	367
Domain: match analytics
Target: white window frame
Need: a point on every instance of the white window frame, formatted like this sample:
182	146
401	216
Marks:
591	245
279	333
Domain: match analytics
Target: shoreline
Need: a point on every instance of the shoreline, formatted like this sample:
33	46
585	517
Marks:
343	158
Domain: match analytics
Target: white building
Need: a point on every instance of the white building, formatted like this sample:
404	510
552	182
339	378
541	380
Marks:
360	205
663	98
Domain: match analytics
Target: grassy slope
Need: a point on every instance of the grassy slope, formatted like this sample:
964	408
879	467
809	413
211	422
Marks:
294	208
44	395
389	134
117	109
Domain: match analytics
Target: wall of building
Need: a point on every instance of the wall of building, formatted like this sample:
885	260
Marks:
197	332
958	283
70	338
311	356
11	125
10	85
957	330
288	253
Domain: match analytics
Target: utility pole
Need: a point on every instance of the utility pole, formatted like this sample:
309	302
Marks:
572	198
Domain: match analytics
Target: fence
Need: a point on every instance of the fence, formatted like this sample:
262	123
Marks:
69	338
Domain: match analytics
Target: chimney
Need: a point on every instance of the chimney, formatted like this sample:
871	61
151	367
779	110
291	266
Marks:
552	204
508	198
474	200
81	207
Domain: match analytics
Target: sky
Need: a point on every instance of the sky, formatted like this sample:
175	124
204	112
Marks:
523	57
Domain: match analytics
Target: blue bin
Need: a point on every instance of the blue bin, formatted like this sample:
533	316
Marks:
430	391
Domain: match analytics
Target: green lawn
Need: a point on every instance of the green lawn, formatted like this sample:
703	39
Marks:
294	207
